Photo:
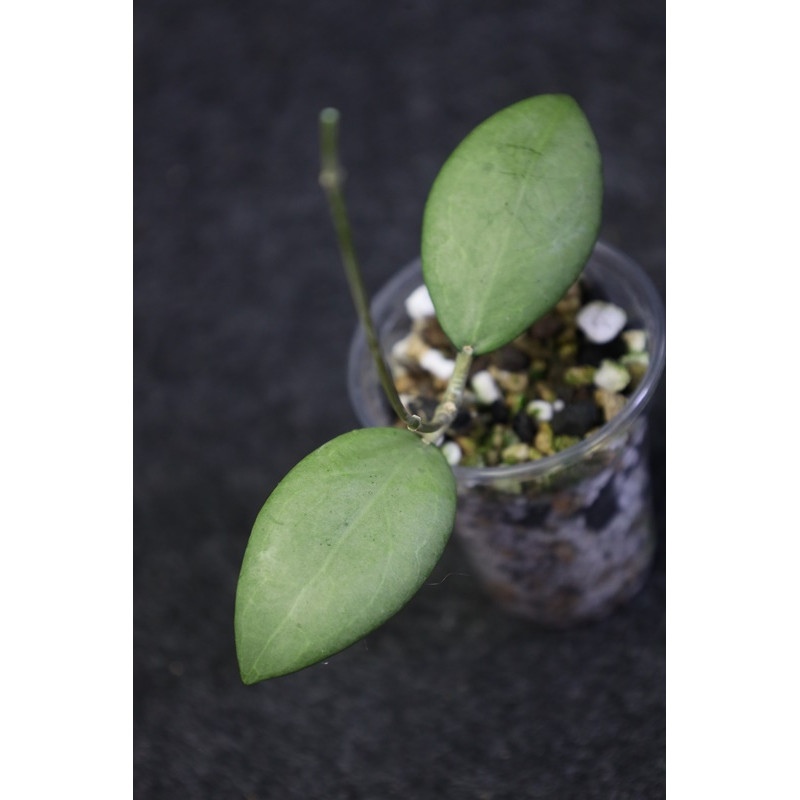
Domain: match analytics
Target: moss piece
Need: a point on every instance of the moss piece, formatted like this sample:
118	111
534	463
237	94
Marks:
611	403
404	383
636	340
568	334
635	358
516	453
468	446
516	403
543	440
563	441
497	438
579	376
514	382
568	351
636	364
545	391
472	460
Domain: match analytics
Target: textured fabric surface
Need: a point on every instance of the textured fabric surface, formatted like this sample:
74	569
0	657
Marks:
243	321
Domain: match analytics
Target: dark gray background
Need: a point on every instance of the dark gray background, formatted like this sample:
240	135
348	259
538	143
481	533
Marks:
242	323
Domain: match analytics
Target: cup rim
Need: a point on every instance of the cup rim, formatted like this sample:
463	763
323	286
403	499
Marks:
640	283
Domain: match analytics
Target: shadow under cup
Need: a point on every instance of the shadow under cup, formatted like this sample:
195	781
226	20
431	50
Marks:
569	537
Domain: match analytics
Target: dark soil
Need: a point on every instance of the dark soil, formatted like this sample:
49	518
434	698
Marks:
549	397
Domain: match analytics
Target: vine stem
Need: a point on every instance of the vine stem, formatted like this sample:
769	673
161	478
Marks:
448	408
331	179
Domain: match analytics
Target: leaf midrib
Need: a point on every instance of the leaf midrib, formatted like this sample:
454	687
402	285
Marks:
493	273
348	533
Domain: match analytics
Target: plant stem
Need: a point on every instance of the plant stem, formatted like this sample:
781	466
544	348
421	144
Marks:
446	410
331	178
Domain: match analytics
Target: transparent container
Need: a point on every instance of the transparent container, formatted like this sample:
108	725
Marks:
569	537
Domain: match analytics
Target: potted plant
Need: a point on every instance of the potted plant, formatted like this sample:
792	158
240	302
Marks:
354	530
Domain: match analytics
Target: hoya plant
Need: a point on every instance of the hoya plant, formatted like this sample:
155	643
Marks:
355	529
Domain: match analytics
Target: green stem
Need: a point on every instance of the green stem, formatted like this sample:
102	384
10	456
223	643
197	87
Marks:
331	178
448	408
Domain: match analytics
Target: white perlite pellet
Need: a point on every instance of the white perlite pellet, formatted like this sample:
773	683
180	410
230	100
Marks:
611	376
410	349
419	304
452	452
437	364
400	348
485	387
540	409
601	321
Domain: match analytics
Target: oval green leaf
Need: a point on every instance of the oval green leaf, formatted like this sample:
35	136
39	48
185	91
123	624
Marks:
343	542
511	220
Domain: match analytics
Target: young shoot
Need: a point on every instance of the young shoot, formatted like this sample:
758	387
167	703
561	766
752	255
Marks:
355	529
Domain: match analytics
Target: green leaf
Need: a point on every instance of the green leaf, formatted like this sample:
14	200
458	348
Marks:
344	541
511	220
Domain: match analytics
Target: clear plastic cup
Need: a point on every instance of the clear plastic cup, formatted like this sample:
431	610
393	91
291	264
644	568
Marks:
569	537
